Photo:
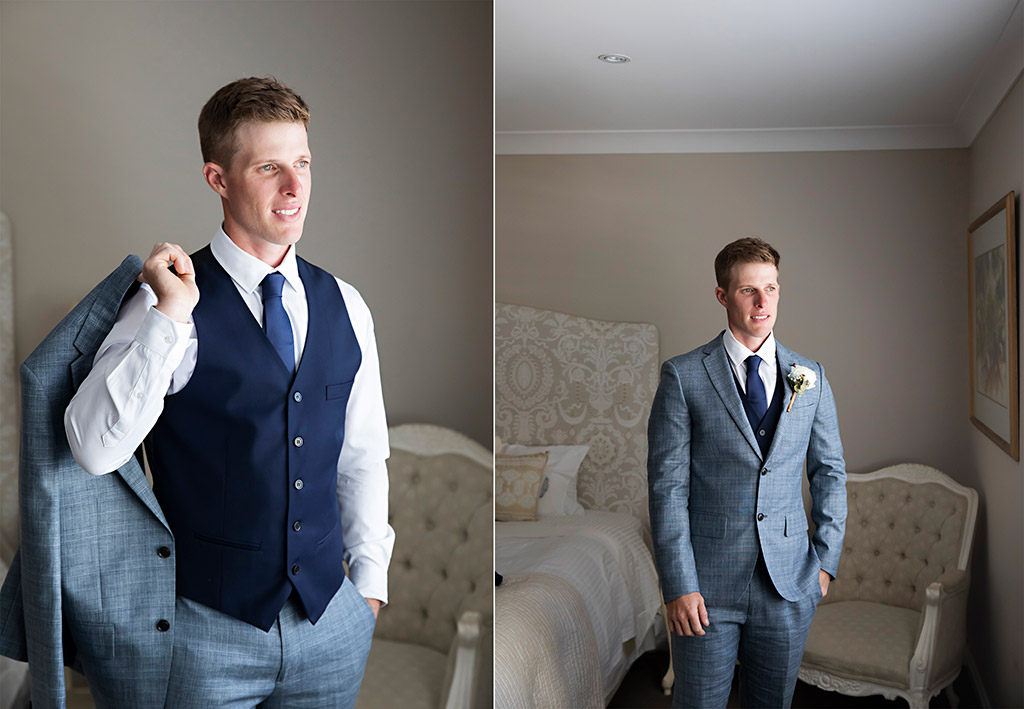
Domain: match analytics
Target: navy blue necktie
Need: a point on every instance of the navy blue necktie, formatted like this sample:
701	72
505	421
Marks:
275	320
755	388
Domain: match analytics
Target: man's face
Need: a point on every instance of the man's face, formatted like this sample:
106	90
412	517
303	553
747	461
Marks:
751	302
266	188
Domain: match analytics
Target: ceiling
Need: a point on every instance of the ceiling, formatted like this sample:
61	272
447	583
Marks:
734	76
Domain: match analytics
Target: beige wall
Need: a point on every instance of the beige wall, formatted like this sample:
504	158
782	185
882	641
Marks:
873	281
100	158
996	621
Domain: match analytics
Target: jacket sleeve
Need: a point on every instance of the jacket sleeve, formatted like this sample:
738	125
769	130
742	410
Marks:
668	479
826	473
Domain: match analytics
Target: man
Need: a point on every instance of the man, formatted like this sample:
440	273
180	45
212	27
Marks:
253	378
731	426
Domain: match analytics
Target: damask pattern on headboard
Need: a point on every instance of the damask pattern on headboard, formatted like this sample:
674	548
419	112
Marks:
566	380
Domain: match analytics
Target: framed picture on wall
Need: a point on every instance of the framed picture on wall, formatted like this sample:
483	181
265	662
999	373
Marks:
992	318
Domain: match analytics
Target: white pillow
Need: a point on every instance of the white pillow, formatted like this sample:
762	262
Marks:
560	477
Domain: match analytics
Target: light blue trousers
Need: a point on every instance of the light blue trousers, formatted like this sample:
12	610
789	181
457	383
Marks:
763	630
220	661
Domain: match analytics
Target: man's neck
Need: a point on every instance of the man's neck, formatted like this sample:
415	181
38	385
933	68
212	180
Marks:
752	345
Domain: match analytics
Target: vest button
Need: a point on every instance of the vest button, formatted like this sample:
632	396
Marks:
297	525
297	396
762	432
760	516
295	570
163	626
163	552
298	484
298	441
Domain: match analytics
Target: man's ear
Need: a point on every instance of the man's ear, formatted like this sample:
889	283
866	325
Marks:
214	175
720	294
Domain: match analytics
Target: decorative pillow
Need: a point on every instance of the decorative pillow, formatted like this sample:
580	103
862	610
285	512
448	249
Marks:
517	486
560	475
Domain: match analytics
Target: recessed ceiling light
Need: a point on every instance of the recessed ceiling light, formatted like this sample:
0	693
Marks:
614	58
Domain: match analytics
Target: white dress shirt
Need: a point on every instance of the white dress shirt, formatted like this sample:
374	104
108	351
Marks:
147	356
768	370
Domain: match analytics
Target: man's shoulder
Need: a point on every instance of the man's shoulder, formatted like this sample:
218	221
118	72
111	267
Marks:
788	358
354	302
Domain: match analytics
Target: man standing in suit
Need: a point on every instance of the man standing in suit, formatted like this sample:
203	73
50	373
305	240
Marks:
731	426
252	376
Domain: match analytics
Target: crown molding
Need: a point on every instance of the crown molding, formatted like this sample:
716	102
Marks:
998	75
729	141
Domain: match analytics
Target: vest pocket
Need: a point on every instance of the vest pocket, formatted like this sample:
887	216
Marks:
327	537
336	391
237	544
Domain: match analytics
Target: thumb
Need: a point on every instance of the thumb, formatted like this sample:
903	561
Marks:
703	613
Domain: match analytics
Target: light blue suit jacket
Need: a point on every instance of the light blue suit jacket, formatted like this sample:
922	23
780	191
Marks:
89	584
715	502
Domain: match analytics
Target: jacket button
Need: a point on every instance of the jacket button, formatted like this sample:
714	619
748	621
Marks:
298	484
298	441
764	471
297	525
163	626
760	516
163	552
297	396
295	570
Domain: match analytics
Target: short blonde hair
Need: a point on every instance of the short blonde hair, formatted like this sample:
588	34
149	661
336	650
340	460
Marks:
251	100
748	250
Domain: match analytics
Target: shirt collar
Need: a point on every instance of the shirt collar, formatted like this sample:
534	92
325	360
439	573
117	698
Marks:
738	352
248	271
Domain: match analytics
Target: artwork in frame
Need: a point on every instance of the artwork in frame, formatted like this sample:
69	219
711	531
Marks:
992	317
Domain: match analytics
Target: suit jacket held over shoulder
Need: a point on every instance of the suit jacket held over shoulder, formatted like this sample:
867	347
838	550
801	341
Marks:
92	578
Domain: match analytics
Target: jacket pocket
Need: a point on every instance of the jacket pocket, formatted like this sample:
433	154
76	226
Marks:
703	524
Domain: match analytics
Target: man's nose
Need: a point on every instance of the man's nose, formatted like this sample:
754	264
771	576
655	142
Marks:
290	182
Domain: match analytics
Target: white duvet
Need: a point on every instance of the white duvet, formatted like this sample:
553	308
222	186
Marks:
601	555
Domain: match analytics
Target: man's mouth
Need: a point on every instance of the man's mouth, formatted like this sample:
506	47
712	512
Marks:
287	212
759	317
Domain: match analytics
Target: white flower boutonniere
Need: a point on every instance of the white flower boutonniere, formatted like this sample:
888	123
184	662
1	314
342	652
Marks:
802	379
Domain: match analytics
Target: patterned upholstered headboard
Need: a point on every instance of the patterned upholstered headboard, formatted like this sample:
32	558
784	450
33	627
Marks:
567	380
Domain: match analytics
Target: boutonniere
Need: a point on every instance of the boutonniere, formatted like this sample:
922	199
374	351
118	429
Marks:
801	379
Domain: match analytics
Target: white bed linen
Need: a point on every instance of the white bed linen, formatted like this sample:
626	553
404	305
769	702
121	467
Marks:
603	556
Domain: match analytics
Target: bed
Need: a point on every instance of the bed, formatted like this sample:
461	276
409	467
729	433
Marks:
579	600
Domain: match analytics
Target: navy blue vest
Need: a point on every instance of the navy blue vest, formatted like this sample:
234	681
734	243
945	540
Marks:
245	457
764	429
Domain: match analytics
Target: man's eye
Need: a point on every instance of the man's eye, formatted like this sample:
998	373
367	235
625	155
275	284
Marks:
303	163
266	168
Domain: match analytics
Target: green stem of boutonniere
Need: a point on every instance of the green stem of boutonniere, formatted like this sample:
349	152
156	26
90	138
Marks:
791	400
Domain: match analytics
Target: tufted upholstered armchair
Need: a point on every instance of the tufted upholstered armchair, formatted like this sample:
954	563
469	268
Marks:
894	620
432	644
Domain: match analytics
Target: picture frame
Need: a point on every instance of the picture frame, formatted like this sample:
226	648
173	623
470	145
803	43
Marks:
992	325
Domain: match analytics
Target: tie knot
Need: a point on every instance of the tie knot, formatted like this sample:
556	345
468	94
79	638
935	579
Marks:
754	362
273	284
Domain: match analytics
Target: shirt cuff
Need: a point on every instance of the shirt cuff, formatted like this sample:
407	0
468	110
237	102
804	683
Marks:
370	579
163	335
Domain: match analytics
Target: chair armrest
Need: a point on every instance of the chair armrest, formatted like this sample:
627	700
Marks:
940	642
461	674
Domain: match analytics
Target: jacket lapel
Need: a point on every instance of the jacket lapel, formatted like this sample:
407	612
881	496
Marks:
716	362
786	358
